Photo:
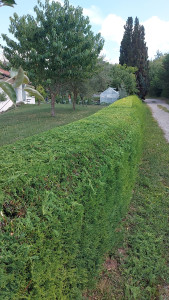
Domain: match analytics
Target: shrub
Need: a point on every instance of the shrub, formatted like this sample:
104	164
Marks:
63	193
3	97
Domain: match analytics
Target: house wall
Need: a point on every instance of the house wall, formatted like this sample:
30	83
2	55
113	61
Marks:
23	96
109	98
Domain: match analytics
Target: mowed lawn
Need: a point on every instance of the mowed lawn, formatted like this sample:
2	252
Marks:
28	120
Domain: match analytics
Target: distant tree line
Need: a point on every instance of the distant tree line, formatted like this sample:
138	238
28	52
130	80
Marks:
159	76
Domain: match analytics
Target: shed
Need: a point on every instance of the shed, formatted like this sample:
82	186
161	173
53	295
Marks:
109	96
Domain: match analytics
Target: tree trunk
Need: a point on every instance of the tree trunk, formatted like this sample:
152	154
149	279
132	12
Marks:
74	98
53	105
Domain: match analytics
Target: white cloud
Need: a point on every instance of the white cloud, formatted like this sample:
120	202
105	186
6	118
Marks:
113	28
104	53
94	15
110	54
156	35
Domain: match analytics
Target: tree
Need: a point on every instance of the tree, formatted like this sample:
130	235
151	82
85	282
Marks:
57	45
136	54
158	54
100	80
164	76
159	76
7	3
126	44
123	77
156	70
140	58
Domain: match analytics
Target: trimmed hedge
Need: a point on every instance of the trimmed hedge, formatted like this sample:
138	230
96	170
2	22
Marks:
63	193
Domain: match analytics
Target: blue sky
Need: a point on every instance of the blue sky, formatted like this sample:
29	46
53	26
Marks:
109	17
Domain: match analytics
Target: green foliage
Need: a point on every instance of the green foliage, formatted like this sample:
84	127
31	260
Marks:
41	90
126	50
165	76
57	43
101	80
4	65
33	92
116	76
140	259
155	72
123	76
9	90
159	76
134	52
7	3
3	96
62	195
19	78
146	227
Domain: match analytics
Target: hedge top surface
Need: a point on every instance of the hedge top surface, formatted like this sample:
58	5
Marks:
30	154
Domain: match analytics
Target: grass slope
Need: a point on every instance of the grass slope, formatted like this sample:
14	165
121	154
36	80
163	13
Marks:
137	268
28	120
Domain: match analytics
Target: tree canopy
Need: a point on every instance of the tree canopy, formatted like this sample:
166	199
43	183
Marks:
164	76
126	44
156	70
56	47
7	3
123	77
159	75
134	52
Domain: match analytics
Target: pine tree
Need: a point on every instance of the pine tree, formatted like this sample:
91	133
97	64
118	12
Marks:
133	52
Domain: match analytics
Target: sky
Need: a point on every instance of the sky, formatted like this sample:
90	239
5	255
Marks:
109	17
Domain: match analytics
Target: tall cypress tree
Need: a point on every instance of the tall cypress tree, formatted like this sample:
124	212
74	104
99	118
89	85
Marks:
136	55
126	43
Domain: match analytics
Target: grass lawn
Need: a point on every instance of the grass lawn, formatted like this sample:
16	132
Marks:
137	268
28	120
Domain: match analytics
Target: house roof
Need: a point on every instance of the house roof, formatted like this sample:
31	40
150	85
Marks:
4	72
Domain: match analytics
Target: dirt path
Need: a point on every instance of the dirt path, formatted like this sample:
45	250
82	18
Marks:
160	115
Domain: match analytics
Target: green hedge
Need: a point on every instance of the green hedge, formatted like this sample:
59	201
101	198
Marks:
63	193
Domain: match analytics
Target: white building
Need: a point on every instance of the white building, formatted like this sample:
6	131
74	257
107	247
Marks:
109	96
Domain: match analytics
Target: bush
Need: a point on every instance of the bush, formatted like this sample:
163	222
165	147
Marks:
3	97
63	193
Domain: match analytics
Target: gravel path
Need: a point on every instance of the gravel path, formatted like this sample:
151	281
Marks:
160	115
